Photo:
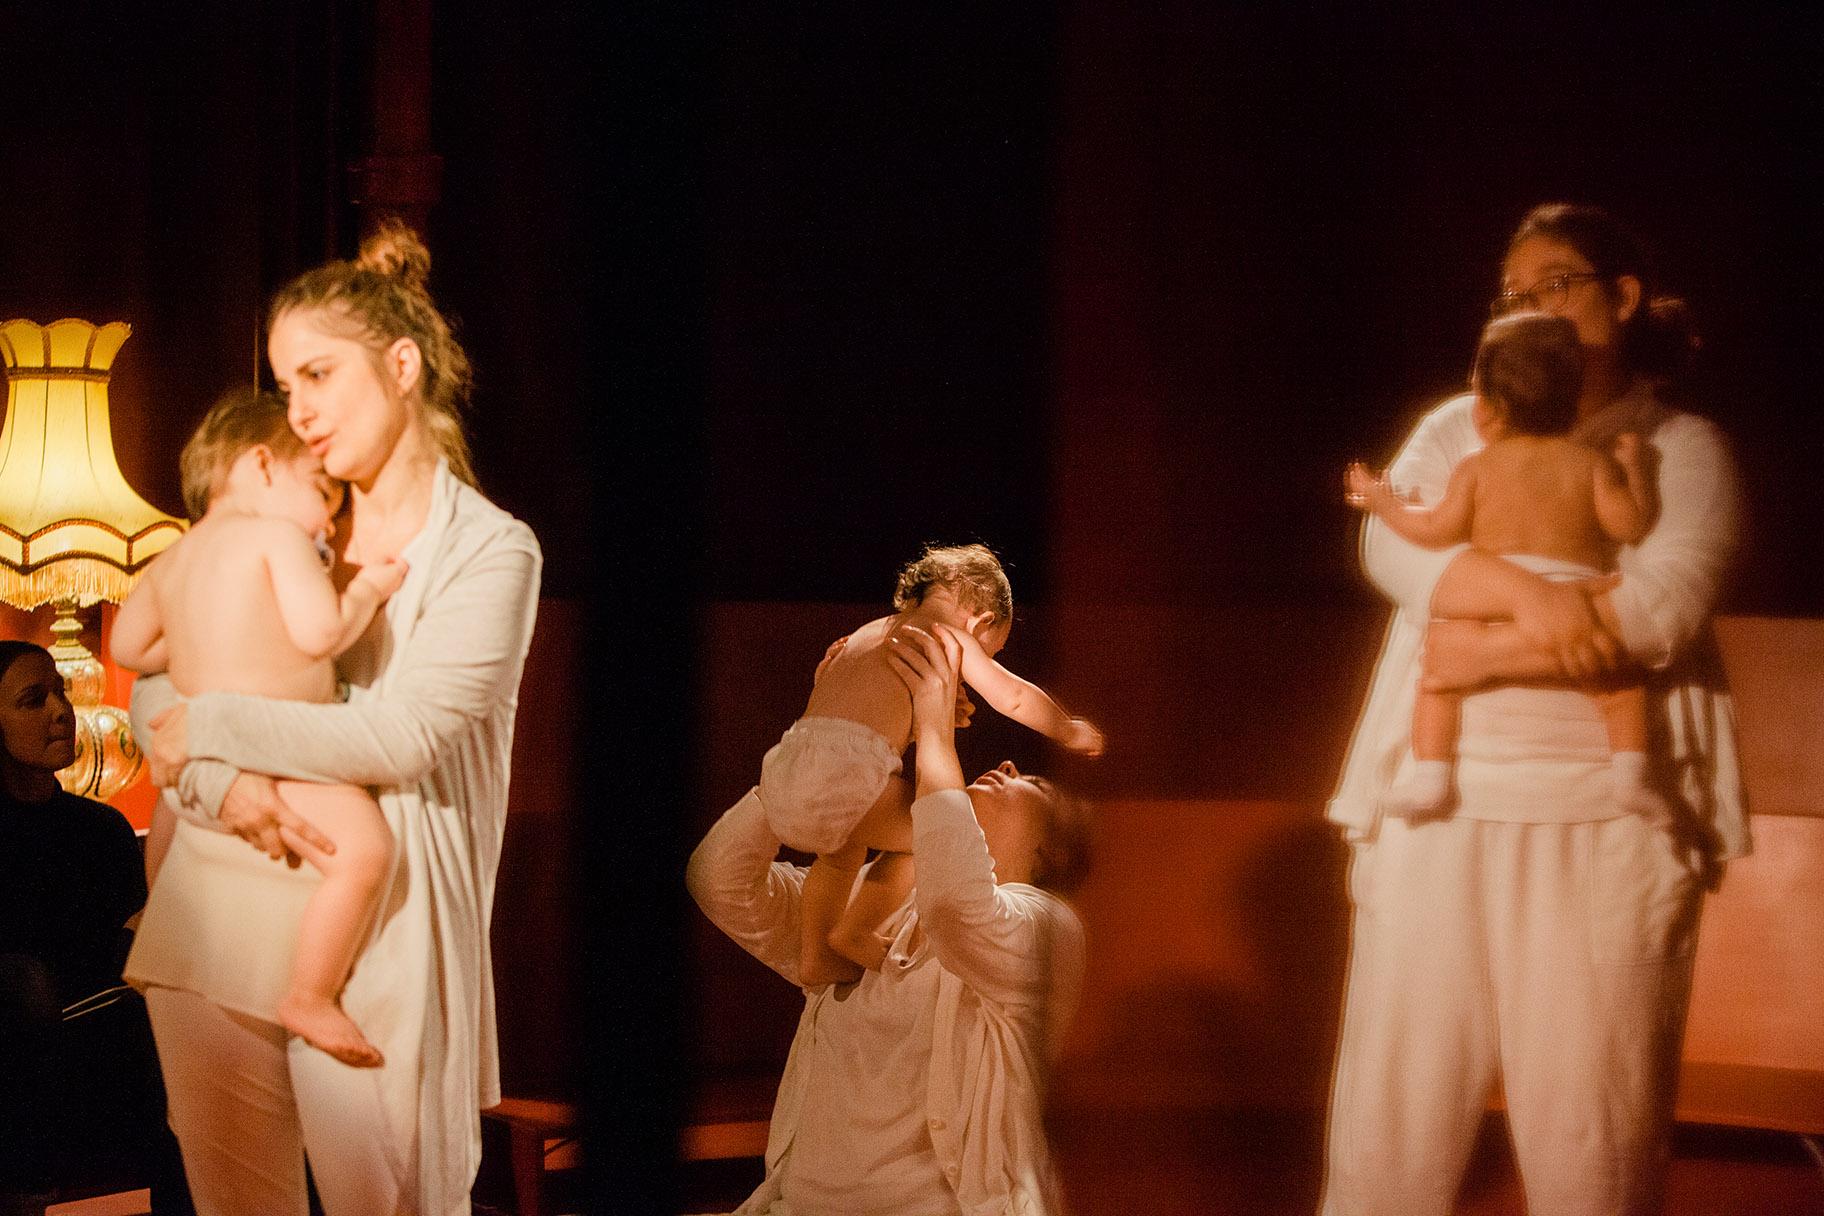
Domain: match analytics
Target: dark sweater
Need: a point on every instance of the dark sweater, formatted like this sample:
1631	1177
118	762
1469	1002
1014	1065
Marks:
71	874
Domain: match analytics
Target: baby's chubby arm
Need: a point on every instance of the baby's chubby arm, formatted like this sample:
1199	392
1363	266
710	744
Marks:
137	640
1022	700
1627	494
1444	525
320	623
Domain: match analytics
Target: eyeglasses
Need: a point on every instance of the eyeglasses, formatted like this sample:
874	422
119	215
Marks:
1547	295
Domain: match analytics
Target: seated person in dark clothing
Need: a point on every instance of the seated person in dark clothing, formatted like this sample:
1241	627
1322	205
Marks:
82	1102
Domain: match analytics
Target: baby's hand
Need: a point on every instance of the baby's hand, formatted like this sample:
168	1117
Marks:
972	645
1082	737
1629	449
381	578
829	656
965	708
1360	486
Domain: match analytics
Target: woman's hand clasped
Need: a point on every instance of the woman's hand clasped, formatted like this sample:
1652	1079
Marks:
252	808
254	811
1559	619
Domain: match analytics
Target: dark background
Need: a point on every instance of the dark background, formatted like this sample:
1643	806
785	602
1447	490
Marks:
761	298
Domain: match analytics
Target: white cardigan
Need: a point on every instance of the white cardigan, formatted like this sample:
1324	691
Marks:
1669	586
1011	959
429	722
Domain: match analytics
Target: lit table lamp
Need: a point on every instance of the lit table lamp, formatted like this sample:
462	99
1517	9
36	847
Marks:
72	532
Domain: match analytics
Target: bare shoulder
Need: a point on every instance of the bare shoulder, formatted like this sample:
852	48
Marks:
862	656
861	685
263	533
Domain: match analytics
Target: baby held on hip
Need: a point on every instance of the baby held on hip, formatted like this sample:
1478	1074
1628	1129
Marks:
243	604
1552	506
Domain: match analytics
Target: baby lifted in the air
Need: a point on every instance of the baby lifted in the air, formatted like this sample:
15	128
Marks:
832	785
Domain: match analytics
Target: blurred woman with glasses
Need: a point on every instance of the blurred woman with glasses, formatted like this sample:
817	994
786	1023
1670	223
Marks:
1540	936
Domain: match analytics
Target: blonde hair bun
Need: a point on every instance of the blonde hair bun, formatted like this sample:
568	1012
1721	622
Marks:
396	251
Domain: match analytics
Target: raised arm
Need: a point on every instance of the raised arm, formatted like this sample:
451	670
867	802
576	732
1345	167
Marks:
1670	582
1405	573
1001	942
464	654
743	891
1627	503
1020	699
1446	524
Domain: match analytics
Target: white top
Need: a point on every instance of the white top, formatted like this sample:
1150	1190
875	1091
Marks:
1539	746
1008	969
433	687
862	1144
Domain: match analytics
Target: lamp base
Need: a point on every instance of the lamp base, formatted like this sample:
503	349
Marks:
108	759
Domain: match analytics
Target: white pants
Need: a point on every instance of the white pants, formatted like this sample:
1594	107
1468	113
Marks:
1555	957
247	1101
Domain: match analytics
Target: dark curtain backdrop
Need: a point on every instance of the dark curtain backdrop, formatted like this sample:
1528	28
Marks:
761	299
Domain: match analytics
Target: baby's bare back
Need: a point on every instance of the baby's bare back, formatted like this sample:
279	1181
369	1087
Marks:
861	686
222	626
1536	494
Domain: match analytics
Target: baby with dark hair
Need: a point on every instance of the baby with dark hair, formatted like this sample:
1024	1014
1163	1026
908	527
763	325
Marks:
1537	498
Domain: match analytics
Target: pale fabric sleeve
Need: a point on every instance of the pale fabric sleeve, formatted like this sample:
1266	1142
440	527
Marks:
202	784
743	891
462	656
995	939
1404	572
1671	580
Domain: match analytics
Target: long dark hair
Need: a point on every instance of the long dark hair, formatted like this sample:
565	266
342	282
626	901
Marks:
11	651
1660	340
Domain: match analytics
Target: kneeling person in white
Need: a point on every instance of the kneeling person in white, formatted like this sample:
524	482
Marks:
917	1091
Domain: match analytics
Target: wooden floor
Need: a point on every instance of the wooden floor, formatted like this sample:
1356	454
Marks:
1266	1164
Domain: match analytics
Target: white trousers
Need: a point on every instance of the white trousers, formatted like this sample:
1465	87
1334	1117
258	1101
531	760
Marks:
247	1101
1553	957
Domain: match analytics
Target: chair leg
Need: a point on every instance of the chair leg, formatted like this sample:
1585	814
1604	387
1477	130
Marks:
528	1148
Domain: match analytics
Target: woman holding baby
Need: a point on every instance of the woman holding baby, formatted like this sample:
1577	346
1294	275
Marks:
1539	934
375	382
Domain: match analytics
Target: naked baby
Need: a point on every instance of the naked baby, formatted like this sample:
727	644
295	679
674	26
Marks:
243	603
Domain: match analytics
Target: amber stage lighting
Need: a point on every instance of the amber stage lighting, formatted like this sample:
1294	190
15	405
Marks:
72	531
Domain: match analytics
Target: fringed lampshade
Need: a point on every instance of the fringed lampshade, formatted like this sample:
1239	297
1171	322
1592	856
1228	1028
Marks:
72	531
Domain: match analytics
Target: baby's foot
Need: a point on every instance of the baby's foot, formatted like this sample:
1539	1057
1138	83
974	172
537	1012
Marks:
324	1026
815	969
1426	793
860	946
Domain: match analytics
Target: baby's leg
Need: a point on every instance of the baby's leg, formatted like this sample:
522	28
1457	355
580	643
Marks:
824	896
336	918
1624	711
158	839
856	935
1429	789
887	826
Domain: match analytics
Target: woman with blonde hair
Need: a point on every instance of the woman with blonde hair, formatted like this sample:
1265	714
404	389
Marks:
375	382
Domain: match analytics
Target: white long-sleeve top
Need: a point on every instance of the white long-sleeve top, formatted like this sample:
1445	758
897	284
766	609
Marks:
1669	587
433	688
1010	966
